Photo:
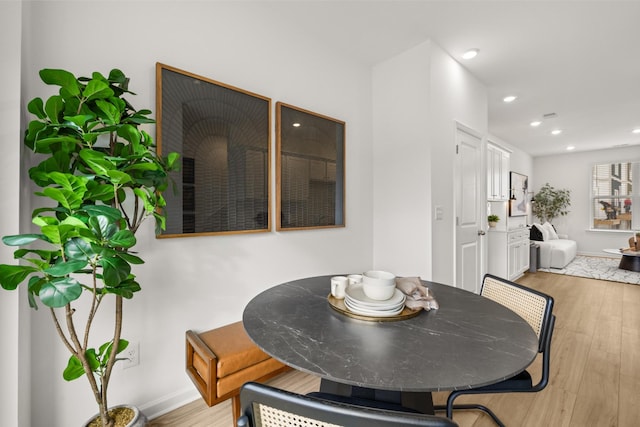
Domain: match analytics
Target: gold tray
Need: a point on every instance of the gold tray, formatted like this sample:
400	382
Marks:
338	305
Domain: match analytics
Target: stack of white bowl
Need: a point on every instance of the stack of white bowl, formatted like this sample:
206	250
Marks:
375	296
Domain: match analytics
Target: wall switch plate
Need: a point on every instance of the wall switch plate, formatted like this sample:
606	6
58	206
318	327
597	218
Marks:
439	213
131	355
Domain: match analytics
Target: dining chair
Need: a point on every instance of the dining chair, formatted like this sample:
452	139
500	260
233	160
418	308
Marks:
265	406
534	307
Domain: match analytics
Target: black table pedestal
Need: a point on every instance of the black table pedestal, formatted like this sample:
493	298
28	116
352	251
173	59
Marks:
417	401
630	262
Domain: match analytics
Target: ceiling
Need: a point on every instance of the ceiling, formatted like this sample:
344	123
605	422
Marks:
577	59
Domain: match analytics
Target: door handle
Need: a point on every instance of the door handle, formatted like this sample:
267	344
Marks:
481	233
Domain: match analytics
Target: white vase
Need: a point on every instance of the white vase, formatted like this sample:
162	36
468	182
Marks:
492	224
139	419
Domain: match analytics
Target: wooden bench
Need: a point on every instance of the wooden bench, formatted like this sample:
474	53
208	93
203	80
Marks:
221	360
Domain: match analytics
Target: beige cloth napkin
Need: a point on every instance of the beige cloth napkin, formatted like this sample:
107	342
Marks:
418	295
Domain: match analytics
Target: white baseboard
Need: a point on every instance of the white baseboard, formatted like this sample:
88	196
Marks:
170	402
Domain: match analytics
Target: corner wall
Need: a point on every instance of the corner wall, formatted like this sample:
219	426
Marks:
14	398
419	96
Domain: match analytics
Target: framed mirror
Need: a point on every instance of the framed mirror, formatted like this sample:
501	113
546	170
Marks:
310	169
223	136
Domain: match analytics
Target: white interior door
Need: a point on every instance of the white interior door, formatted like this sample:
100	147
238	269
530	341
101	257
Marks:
468	200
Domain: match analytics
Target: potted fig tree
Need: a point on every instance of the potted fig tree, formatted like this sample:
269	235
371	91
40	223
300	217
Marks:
99	177
550	203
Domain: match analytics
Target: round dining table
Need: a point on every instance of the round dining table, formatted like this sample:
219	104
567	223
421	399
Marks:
469	341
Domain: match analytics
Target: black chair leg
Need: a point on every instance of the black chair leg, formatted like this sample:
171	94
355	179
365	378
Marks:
449	409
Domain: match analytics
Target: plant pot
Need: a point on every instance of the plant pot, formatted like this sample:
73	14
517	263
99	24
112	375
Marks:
138	420
493	224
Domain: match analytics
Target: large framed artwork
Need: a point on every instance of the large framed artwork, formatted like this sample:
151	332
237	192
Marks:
223	136
310	169
519	186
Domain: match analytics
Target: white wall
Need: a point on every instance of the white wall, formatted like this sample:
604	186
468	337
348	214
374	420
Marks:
402	178
13	392
201	282
572	171
418	97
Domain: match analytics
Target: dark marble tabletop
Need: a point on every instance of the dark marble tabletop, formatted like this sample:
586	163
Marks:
469	341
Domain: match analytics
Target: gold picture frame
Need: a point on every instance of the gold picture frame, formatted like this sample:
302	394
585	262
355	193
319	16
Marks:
310	169
223	136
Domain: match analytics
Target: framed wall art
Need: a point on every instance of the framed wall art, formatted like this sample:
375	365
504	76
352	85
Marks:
518	188
223	136
310	169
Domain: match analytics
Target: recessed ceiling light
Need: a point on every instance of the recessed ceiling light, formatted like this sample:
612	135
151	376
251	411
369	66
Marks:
509	98
471	53
296	125
571	147
535	123
637	130
556	132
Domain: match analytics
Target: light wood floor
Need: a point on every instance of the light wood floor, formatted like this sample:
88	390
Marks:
595	366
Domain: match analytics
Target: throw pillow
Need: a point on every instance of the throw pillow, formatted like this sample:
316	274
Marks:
535	234
543	230
552	231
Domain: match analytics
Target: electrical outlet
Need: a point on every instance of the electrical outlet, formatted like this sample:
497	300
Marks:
131	355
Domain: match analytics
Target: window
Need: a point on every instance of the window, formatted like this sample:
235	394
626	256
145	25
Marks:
614	196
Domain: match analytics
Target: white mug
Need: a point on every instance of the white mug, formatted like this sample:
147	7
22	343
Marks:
354	279
339	286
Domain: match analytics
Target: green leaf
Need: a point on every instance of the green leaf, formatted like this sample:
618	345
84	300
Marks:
123	239
105	349
74	222
33	130
97	89
74	369
111	114
130	258
61	78
146	200
54	108
71	191
119	177
22	239
146	166
131	134
60	292
118	77
36	107
115	270
80	120
42	220
96	161
64	268
102	192
92	358
78	249
102	226
12	275
172	160
45	145
113	214
125	289
68	199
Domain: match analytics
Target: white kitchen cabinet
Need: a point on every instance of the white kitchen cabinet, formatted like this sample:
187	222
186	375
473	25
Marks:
497	173
509	253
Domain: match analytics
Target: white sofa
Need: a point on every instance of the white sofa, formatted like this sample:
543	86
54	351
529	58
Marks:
556	250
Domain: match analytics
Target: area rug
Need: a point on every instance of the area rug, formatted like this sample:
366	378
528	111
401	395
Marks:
600	268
